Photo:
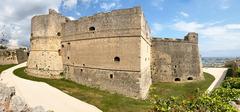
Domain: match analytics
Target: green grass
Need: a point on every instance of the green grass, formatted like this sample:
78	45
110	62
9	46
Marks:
104	100
4	67
185	90
114	102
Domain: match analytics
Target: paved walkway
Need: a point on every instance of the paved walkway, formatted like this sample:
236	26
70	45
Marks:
218	73
39	93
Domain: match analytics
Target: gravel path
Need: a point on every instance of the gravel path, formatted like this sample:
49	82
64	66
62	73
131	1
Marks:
218	73
39	93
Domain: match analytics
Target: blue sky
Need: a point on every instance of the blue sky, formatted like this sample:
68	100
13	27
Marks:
216	21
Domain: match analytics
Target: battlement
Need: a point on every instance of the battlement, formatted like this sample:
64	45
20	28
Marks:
48	25
134	10
52	11
189	38
117	23
45	59
168	39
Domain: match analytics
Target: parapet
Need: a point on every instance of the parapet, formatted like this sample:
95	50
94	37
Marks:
134	10
52	11
168	39
48	25
191	37
117	23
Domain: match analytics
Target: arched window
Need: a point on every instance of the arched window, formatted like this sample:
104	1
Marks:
177	79
66	20
111	76
189	78
92	28
117	59
58	34
59	52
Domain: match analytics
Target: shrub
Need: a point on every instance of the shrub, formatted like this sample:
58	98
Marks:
231	83
217	101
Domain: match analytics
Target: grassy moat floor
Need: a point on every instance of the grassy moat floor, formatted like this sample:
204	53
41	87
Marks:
108	102
4	67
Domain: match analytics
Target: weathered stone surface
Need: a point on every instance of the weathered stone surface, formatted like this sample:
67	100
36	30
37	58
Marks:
6	93
2	108
9	102
44	58
12	56
38	109
121	34
176	60
18	105
113	51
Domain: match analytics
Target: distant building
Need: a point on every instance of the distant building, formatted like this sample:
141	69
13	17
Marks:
217	62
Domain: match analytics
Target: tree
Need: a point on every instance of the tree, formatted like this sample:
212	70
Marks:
4	37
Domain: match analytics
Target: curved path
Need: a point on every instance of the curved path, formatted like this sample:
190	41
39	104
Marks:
218	73
39	93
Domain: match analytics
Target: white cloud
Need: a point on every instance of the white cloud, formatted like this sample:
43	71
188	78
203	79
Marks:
157	4
71	18
68	4
15	17
156	27
213	38
233	26
224	4
188	27
87	1
108	6
13	43
78	13
184	14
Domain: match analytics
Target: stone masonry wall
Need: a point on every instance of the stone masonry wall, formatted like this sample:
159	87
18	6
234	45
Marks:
106	51
145	57
9	102
12	56
45	56
22	55
112	51
8	57
176	60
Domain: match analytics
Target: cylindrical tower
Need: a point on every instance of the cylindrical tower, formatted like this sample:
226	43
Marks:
45	58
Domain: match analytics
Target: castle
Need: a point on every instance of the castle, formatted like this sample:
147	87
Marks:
12	56
113	51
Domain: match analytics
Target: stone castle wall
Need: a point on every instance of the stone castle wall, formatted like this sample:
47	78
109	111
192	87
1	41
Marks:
112	51
176	59
12	56
107	50
45	59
